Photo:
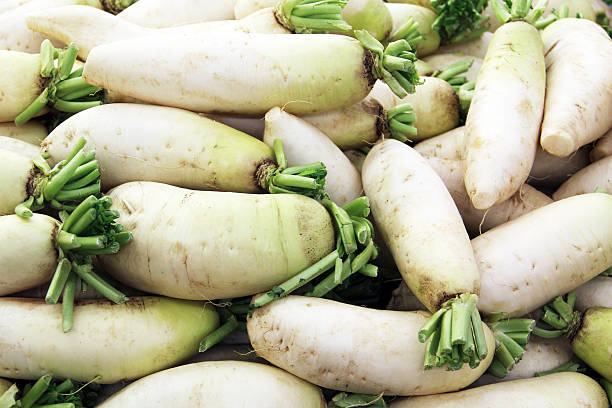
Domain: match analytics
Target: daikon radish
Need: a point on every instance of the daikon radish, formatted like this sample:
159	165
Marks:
587	180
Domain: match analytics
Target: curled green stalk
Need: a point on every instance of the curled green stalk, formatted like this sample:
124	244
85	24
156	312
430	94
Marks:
400	122
525	10
394	64
63	186
64	91
511	337
88	230
307	180
312	17
455	69
408	31
575	365
355	248
455	335
460	20
561	316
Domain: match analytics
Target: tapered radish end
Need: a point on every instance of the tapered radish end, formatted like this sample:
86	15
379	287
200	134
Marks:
559	144
482	200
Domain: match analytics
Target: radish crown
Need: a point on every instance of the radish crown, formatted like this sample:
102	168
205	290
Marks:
561	316
393	64
63	186
459	20
455	335
408	31
524	10
400	122
116	6
511	337
65	91
312	16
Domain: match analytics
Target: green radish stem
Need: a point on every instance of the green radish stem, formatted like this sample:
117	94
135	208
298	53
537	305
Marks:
88	230
394	64
457	330
574	365
37	390
64	89
460	21
519	10
409	31
511	335
347	400
560	315
400	122
352	254
312	17
58	186
466	93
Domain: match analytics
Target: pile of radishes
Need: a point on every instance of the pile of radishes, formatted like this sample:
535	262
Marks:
305	203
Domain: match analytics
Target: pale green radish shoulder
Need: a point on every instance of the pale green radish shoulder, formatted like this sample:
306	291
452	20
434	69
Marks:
16	175
562	390
518	275
170	329
17	146
202	254
32	132
28	255
423	17
347	358
220	384
370	15
165	145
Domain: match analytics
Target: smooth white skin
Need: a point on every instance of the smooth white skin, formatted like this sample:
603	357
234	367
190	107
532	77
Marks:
216	384
245	7
7	5
475	48
215	245
545	253
14	33
167	145
89	27
540	355
587	180
441	61
595	293
19	147
28	255
15	171
561	390
576	112
32	132
118	340
332	344
424	17
603	147
206	72
83	25
548	171
304	144
158	13
476	221
434	102
503	124
417	218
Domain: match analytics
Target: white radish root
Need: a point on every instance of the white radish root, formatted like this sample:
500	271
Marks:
587	180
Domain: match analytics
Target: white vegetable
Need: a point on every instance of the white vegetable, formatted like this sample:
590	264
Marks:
223	384
118	340
32	132
159	13
19	147
578	114
440	61
587	180
561	390
503	123
214	245
304	144
545	253
595	293
475	48
603	147
324	342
